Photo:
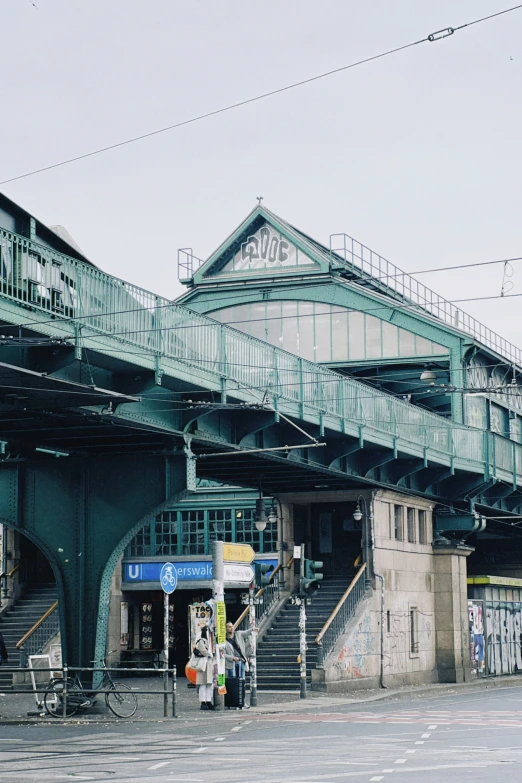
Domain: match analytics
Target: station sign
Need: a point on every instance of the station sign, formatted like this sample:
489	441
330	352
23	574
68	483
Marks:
186	571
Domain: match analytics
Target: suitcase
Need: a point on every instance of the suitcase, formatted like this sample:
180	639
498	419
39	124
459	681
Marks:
235	695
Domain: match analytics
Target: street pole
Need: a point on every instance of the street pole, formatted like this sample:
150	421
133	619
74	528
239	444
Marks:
165	653
302	629
253	647
218	593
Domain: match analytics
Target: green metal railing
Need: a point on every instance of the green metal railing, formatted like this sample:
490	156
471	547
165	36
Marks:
100	305
34	641
338	620
386	276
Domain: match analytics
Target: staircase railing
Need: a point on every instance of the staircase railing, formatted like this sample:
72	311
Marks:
8	575
269	595
336	623
40	634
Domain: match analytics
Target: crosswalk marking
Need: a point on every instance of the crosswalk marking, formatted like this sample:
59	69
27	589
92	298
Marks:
511	719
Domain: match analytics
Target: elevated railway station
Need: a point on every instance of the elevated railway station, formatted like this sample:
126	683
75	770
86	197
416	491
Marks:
134	429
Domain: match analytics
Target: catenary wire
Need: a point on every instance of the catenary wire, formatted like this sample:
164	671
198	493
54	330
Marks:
212	322
395	304
261	96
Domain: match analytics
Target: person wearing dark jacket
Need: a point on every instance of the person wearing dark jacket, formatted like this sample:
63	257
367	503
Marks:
3	652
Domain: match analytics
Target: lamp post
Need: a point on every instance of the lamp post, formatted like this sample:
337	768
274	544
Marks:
358	515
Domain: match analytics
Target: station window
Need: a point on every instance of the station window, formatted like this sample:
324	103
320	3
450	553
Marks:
191	532
246	532
220	524
140	545
414	630
412	533
397	523
423	527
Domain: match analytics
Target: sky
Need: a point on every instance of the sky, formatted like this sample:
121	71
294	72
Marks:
417	155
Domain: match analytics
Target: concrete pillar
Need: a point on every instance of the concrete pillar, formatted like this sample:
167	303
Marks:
451	612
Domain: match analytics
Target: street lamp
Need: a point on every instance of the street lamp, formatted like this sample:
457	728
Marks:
427	375
260	519
357	516
272	514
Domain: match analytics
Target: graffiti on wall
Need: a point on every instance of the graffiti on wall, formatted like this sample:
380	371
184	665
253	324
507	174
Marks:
398	639
352	658
476	638
504	638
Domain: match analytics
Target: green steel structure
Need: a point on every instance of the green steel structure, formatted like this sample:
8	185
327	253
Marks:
113	399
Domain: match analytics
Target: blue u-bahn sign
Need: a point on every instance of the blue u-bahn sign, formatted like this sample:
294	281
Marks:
186	571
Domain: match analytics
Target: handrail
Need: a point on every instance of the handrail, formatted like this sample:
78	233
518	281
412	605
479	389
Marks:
391	280
259	593
341	602
167	329
37	624
12	572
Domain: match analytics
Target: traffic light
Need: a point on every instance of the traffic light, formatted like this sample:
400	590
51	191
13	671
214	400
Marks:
261	569
310	581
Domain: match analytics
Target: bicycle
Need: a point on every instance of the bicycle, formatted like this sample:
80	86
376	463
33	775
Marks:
119	698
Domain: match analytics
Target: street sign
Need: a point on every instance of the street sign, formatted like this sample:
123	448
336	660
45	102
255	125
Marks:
168	578
221	623
239	573
238	553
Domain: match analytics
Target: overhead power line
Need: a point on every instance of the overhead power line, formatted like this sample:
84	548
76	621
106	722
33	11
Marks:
437	36
393	305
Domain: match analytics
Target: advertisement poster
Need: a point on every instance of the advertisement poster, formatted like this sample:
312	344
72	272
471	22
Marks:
124	624
199	616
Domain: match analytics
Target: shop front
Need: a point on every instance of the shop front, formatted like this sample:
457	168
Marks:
183	536
142	632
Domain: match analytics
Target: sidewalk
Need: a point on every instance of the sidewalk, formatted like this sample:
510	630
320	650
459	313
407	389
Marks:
14	708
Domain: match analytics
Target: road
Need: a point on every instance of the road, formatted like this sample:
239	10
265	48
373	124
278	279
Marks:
472	735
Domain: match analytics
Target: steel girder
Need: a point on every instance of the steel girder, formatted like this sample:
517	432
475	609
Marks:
82	512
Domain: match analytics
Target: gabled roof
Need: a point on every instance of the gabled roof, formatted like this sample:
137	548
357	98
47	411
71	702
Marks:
241	254
266	246
263	243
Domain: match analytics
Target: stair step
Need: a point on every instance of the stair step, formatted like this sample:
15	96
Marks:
20	618
278	651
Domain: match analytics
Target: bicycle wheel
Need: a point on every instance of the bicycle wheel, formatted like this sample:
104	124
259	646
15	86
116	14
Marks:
121	701
53	698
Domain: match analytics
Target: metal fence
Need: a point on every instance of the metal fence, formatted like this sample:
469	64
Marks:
343	612
84	687
100	305
386	275
265	598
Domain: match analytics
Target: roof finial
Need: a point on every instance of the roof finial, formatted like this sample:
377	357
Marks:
260	199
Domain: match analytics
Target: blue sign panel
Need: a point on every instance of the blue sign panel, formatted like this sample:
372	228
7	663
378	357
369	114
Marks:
186	571
168	578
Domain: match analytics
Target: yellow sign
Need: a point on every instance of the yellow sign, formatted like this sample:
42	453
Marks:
221	622
238	553
502	581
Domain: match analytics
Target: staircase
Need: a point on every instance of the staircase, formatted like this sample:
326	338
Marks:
277	666
34	602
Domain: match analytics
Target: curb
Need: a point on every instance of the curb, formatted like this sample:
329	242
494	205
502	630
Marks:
311	704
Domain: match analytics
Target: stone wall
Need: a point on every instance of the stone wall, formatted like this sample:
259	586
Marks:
425	606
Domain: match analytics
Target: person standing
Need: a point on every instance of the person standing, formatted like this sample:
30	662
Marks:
237	651
205	678
3	651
